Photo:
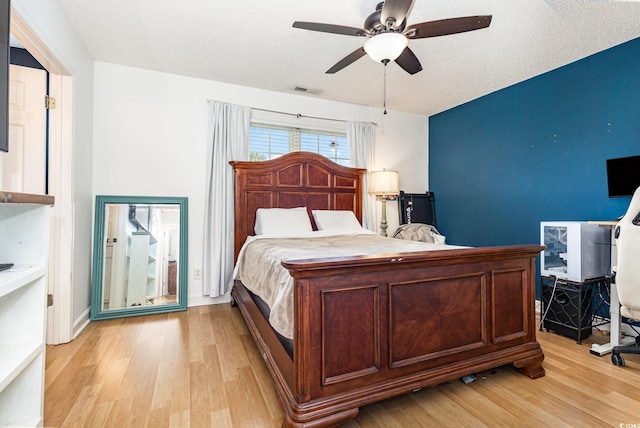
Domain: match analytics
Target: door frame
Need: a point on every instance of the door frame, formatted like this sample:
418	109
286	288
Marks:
60	328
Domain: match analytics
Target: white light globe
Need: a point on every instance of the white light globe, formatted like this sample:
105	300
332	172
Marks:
385	46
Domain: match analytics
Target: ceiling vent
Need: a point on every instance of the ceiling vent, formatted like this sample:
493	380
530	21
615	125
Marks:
305	90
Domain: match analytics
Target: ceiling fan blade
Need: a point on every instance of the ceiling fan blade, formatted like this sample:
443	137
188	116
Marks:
444	27
330	28
409	61
347	60
395	10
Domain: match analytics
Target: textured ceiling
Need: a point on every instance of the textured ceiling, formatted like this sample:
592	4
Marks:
252	43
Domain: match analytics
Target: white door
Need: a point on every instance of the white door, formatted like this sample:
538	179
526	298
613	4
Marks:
24	166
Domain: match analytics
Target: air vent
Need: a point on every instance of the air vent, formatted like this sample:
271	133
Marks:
305	90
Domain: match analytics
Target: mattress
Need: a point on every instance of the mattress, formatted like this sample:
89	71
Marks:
259	265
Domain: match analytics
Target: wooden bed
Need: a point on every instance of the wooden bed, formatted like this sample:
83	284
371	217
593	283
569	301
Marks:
372	327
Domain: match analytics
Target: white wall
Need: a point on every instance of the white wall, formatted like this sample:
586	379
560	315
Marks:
150	138
402	145
50	26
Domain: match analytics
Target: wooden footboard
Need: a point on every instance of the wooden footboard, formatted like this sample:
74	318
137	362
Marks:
372	327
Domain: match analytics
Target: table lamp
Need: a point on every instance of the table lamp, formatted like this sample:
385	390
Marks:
384	185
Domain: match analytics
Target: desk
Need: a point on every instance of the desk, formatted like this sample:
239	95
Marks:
614	302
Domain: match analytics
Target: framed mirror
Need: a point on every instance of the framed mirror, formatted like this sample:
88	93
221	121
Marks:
139	256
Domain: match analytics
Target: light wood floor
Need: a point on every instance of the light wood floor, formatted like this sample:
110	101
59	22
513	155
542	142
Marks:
200	368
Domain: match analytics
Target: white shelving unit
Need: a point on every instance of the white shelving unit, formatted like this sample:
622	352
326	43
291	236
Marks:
24	241
142	268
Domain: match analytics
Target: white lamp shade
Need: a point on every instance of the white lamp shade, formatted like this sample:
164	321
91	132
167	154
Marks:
384	183
385	46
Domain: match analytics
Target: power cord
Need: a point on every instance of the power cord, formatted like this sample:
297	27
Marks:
553	292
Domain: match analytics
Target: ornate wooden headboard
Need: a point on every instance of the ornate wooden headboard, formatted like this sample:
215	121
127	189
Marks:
296	179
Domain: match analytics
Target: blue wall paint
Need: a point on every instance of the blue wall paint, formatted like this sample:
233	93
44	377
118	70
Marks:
536	151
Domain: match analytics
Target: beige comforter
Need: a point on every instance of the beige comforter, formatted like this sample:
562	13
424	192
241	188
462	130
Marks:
260	270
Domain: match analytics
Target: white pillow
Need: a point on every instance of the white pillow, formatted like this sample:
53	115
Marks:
336	220
282	221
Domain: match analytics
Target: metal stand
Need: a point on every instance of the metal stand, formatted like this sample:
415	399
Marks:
615	338
569	307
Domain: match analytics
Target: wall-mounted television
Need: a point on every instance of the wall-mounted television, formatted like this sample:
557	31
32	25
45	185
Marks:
5	16
623	176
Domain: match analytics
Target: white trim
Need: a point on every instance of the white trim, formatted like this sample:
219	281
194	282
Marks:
59	316
32	43
81	322
206	300
60	167
301	122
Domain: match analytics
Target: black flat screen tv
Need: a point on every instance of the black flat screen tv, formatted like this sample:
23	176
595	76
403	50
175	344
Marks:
5	16
623	176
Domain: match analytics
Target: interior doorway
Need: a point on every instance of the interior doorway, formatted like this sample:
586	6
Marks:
59	159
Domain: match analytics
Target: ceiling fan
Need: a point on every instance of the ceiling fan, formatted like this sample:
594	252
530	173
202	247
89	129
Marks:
388	35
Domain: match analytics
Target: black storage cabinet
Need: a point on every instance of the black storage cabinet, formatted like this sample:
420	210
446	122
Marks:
568	310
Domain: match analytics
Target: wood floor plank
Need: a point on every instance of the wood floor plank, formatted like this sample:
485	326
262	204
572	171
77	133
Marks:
181	391
97	418
480	406
200	419
200	368
262	376
67	388
206	379
221	418
158	417
540	396
111	376
232	357
246	406
520	410
163	389
77	416
119	414
370	417
195	336
444	411
180	419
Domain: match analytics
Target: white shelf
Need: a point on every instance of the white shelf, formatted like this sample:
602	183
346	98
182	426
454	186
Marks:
24	233
15	358
11	281
21	403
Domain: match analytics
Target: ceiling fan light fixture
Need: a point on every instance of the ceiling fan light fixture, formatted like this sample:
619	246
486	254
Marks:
385	46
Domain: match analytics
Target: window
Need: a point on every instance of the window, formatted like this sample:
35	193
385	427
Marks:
271	141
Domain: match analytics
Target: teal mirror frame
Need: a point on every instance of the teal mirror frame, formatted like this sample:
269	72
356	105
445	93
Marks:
97	311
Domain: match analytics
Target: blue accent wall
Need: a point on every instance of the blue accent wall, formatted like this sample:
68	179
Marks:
536	151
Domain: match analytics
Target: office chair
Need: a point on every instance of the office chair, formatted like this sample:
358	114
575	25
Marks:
627	275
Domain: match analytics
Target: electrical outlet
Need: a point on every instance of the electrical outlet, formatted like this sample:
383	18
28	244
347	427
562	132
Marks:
197	273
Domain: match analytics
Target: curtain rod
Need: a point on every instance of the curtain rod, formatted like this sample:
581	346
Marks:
298	115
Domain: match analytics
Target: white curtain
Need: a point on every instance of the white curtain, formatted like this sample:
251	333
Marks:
361	138
228	140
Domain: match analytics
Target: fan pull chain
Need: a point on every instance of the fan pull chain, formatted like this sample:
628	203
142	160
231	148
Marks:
384	102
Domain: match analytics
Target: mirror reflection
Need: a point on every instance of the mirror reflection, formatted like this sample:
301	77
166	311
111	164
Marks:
139	257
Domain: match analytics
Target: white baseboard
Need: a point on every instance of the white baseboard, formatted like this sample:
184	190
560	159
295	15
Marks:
82	321
206	300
